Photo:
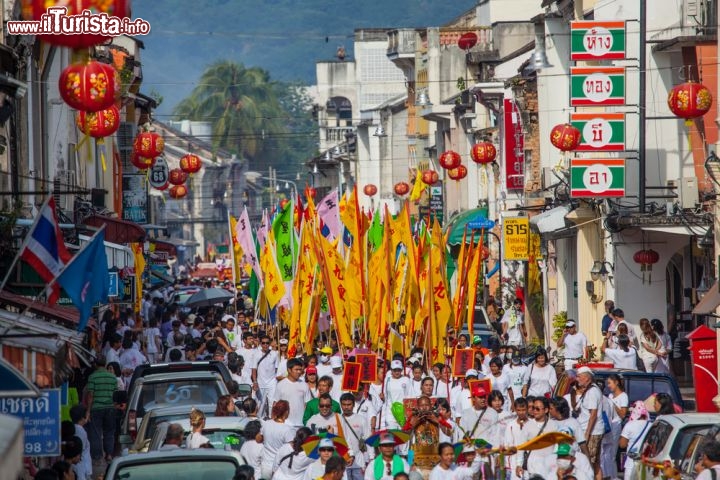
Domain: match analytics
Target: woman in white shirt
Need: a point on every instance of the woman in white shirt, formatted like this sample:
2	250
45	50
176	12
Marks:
500	381
665	341
619	402
541	377
633	434
624	356
196	439
291	462
276	433
447	469
251	449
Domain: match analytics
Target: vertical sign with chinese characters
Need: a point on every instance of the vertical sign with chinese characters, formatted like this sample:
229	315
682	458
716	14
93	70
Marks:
594	86
597	40
516	232
514	153
351	377
368	366
597	177
600	131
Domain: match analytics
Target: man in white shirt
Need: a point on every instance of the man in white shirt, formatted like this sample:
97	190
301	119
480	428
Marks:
337	376
514	436
589	408
249	353
479	421
397	389
460	394
575	344
295	391
539	423
513	326
232	332
364	407
131	356
355	430
264	373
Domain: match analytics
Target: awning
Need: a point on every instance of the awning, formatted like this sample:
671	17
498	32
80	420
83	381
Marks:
456	225
710	301
117	230
14	384
12	447
67	315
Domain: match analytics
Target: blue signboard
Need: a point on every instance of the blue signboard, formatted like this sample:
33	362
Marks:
41	417
481	223
114	289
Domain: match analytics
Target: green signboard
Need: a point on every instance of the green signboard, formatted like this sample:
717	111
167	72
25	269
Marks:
600	131
597	40
597	177
594	86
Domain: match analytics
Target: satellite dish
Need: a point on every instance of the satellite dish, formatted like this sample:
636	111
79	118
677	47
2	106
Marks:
467	40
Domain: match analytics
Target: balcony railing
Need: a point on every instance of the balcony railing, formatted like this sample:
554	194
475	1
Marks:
337	134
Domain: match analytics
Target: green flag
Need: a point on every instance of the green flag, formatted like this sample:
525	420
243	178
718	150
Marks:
375	232
283	230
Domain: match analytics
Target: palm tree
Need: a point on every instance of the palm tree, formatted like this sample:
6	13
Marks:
241	105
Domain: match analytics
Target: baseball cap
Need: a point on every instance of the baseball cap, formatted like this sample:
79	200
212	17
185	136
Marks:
477	340
386	438
570	323
310	371
564	450
471	373
396	365
478	391
326	350
468	448
584	369
326	443
283	341
336	362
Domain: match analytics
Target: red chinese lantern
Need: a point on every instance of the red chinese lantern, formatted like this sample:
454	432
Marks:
177	176
88	86
142	163
99	124
430	177
310	192
190	163
401	188
689	100
565	137
646	259
483	153
458	173
178	191
370	190
34	10
449	160
149	144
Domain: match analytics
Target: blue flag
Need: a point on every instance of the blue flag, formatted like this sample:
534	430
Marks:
86	279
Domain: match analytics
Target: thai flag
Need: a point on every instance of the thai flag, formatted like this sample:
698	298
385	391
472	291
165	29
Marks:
44	248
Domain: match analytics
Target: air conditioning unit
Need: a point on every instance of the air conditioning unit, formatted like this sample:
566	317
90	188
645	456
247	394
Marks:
688	194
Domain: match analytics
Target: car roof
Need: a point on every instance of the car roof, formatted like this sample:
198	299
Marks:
627	372
212	423
178	453
175	409
683	419
141	371
169	377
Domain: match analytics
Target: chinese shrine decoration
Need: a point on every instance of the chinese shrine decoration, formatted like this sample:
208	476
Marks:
401	188
449	160
177	176
483	153
646	258
89	86
190	163
370	190
178	191
430	177
99	125
141	163
565	137
148	144
458	173
35	9
689	100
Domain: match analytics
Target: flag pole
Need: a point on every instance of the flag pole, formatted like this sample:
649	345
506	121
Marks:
231	246
23	244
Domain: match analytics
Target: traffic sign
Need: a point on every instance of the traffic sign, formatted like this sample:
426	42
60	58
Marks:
159	173
597	40
597	86
41	417
114	289
481	223
597	177
516	235
600	131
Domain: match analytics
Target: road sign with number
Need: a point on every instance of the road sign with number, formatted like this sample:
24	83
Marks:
597	40
516	235
42	421
591	86
600	131
597	177
159	174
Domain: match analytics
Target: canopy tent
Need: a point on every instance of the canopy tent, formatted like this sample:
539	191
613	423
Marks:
12	446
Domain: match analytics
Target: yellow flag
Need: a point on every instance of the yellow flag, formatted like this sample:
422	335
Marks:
418	188
305	291
473	274
137	249
334	279
237	250
440	307
274	286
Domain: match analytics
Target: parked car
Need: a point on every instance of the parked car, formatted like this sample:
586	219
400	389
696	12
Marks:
669	438
638	385
694	451
175	464
156	417
224	433
183	388
179	367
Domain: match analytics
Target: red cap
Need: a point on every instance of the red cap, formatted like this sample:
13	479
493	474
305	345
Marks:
478	391
310	370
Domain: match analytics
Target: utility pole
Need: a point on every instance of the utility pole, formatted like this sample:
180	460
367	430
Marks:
642	94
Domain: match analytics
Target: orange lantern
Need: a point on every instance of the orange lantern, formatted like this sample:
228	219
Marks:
177	176
142	163
35	9
565	137
149	144
458	173
99	124
178	191
370	190
88	86
190	163
483	153
689	100
401	188
449	160
430	177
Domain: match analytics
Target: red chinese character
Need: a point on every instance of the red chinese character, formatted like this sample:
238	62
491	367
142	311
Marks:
338	274
439	290
341	292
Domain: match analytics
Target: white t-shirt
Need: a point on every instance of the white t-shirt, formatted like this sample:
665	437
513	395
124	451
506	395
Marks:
621	358
575	345
195	440
516	375
285	470
621	401
151	339
542	380
514	332
297	394
634	431
572	427
266	369
591	400
131	358
275	435
707	474
456	472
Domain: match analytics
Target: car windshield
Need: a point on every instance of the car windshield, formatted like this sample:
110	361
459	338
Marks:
640	388
178	392
182	469
683	439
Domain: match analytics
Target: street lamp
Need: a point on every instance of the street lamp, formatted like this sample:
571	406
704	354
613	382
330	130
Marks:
599	270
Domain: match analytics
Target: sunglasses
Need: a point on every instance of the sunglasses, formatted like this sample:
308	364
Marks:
326	449
325	405
533	407
264	343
